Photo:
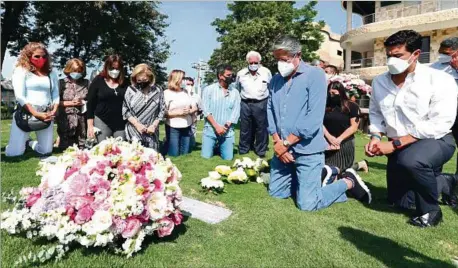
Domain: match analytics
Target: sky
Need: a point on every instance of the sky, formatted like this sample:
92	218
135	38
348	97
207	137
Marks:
192	37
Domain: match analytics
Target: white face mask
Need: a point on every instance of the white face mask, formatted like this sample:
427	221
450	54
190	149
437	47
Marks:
397	65
253	67
329	76
113	73
285	68
444	58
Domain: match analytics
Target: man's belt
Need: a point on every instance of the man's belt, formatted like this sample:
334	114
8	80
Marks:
253	100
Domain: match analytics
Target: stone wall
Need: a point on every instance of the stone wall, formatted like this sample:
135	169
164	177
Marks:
404	9
437	36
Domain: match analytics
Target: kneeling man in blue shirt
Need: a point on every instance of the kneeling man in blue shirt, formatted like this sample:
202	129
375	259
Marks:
295	113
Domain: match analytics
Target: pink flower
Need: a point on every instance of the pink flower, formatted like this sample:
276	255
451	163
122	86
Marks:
144	217
100	184
166	228
33	197
141	180
79	185
70	211
118	225
70	172
158	185
177	217
100	205
132	227
84	215
79	202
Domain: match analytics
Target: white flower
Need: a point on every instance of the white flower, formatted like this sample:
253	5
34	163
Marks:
223	170
214	175
209	183
157	204
101	221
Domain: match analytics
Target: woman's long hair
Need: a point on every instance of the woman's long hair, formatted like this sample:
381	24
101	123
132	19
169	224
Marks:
344	100
27	52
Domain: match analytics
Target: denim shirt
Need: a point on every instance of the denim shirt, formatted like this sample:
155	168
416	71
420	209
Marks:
298	108
223	108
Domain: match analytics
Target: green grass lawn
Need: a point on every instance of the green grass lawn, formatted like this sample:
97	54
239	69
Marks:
263	231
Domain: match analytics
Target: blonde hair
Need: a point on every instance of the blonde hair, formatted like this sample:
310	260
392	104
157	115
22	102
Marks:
142	68
27	52
80	69
175	78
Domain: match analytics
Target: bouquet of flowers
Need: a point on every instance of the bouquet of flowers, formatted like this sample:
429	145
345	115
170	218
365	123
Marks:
212	183
353	84
243	170
110	196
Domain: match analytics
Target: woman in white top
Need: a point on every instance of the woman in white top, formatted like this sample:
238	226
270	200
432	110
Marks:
179	110
36	88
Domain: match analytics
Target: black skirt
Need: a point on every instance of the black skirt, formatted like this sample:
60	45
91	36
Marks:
343	158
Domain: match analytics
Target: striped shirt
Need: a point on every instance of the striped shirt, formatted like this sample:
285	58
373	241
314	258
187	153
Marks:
223	107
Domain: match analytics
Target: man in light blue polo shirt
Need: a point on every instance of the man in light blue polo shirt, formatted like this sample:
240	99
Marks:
221	109
295	112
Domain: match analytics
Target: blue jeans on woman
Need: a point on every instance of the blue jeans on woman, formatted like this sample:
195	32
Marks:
178	140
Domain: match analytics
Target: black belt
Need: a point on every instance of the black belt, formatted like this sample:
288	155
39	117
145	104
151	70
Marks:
253	100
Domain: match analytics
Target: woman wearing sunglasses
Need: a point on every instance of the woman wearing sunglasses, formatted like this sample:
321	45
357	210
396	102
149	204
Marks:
36	88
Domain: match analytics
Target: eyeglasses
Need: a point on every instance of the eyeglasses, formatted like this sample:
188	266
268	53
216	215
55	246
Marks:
40	56
251	63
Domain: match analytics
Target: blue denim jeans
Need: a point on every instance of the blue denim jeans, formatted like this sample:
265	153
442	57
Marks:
226	146
302	179
178	140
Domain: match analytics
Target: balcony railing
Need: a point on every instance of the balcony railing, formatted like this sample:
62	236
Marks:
371	62
410	10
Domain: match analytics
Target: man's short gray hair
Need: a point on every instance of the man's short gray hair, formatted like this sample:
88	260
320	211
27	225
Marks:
451	42
253	54
289	44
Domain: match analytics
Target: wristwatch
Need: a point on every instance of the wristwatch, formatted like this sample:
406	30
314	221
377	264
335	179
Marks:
397	144
286	143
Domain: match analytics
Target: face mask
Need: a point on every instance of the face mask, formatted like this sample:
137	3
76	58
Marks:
38	63
444	58
253	67
142	85
113	73
190	88
228	80
329	76
76	76
285	68
397	65
183	84
335	100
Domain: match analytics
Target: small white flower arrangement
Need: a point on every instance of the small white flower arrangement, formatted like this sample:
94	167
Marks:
212	183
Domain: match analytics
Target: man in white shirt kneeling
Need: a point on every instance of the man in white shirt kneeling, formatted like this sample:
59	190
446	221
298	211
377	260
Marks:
415	107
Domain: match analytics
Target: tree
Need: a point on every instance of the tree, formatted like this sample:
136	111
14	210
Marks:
91	30
255	26
14	21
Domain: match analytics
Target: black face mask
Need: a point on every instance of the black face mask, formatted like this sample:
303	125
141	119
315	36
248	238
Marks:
143	85
334	100
228	80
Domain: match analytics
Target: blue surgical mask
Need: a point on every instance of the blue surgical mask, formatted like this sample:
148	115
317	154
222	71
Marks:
253	67
183	84
76	76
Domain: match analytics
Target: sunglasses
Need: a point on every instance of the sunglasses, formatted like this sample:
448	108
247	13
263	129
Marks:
40	56
251	63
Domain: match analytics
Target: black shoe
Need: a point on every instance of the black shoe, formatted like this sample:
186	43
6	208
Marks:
432	218
329	174
360	191
450	198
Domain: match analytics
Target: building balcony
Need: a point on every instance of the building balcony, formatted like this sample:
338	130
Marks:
363	35
410	10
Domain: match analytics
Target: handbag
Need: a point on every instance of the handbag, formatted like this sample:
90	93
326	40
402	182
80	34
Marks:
26	121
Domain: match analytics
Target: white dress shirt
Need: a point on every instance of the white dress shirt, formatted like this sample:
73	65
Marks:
446	67
424	107
254	87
